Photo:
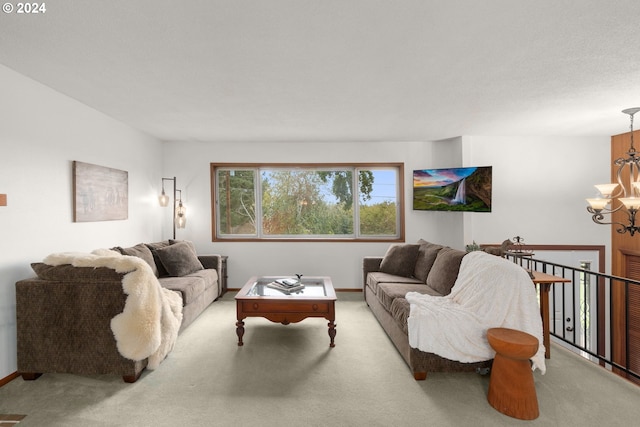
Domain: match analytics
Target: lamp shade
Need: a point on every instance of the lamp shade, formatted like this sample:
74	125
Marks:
606	189
630	202
598	204
163	199
181	215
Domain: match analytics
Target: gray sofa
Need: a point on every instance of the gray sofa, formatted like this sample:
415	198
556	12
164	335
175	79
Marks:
63	314
426	268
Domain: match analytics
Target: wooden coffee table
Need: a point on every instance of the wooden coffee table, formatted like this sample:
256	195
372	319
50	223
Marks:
256	299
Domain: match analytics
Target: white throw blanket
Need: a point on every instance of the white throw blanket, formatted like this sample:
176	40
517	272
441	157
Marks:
148	326
490	292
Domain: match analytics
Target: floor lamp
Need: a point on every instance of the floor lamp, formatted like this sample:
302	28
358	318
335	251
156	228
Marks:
164	201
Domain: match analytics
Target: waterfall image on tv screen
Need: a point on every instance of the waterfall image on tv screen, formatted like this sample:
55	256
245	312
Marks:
453	189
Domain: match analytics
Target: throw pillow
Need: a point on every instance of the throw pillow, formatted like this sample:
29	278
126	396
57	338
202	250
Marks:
153	247
445	269
141	251
179	259
427	253
188	242
400	260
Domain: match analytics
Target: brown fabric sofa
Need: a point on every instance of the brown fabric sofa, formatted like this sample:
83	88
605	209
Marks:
63	314
426	268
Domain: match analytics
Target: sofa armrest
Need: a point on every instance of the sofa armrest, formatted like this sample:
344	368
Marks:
369	264
66	327
213	261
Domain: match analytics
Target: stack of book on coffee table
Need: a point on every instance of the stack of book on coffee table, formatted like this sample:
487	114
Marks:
286	285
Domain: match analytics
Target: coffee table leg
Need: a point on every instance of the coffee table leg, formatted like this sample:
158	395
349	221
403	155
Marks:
332	332
240	331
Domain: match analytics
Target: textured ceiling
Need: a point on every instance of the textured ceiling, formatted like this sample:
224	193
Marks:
337	70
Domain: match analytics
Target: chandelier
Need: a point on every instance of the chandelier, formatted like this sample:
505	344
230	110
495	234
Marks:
627	196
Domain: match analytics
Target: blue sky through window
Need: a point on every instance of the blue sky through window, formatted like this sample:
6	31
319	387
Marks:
384	187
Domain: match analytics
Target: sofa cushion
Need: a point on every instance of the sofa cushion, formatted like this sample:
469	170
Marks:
179	259
141	251
400	260
209	276
188	287
191	286
445	269
69	273
427	253
387	292
375	277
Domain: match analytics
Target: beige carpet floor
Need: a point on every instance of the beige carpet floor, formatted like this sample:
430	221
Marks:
288	376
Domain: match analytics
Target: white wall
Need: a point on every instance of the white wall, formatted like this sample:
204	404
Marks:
538	194
539	188
42	132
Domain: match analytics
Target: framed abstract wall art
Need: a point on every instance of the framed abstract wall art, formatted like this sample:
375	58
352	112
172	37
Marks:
453	189
99	193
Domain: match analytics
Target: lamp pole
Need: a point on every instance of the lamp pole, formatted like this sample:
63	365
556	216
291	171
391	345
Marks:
228	202
173	213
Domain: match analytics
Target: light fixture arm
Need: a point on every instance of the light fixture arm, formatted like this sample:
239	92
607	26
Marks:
632	228
598	216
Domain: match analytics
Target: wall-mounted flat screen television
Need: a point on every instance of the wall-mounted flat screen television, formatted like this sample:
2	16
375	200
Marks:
452	189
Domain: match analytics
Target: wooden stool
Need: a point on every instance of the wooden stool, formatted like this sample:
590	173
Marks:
511	387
